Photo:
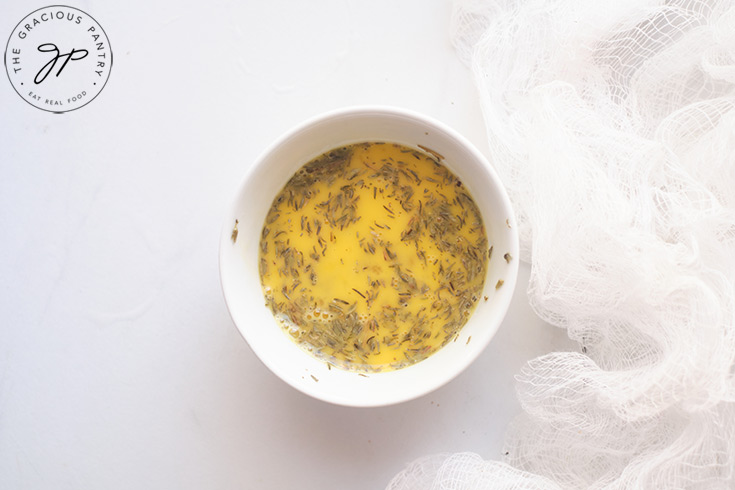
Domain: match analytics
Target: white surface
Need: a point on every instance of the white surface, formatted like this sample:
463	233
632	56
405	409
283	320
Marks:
119	364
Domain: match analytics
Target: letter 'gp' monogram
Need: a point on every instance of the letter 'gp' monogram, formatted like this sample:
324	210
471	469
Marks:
58	58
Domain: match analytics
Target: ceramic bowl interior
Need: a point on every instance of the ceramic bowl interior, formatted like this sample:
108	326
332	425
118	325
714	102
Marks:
239	259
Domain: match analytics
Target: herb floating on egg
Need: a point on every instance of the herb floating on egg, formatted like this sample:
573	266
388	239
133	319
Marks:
373	256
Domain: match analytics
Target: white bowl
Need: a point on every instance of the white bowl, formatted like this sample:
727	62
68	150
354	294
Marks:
238	260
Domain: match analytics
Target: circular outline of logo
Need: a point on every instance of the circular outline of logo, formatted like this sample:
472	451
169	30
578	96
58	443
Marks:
98	31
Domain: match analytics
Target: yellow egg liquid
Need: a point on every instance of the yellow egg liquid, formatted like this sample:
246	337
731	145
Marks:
373	256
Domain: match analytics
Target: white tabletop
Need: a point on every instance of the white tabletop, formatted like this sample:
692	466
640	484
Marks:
119	364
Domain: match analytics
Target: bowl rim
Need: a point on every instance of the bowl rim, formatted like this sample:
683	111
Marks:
509	281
